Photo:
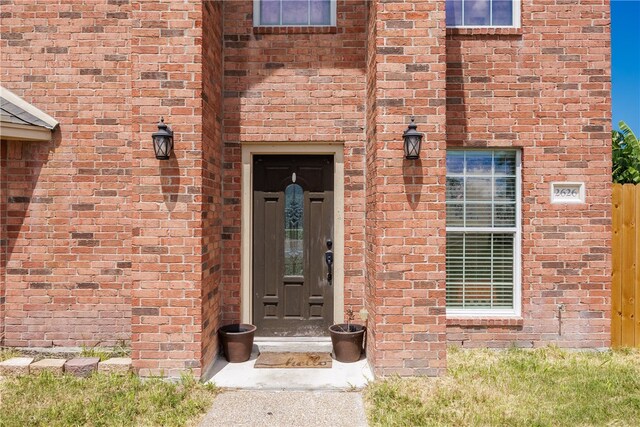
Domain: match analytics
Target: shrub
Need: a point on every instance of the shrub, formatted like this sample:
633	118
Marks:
626	156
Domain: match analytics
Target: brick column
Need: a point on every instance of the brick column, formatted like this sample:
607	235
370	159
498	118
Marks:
167	243
211	178
406	198
3	233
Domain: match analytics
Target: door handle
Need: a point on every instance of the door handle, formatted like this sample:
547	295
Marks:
328	258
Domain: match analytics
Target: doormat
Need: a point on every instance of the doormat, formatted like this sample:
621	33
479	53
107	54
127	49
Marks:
293	360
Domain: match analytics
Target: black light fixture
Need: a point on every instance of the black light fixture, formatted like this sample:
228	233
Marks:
163	141
412	141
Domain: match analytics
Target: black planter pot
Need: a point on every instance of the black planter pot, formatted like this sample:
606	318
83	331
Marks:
347	344
237	341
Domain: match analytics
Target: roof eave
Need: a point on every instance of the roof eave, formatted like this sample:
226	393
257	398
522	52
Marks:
16	100
13	131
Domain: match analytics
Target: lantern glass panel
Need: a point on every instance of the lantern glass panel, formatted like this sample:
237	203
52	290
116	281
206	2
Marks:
162	147
412	146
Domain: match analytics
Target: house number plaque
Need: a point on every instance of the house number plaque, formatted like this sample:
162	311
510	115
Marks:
567	192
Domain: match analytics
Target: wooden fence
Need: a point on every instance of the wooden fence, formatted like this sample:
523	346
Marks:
625	287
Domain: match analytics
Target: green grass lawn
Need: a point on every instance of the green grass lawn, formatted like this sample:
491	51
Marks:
8	353
544	387
101	400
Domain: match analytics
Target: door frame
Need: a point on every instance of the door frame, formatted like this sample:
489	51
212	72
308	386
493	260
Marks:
246	230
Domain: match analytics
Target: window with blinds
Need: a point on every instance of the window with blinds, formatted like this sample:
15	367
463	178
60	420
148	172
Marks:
297	13
483	13
483	231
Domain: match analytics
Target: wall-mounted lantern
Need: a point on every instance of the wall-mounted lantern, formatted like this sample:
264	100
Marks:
163	141
412	141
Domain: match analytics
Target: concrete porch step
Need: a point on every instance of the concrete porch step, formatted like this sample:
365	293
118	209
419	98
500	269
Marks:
297	345
341	376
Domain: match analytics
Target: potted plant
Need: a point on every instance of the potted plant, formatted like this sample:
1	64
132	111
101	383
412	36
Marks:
347	339
237	341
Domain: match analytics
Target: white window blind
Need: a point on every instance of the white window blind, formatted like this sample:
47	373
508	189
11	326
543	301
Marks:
483	229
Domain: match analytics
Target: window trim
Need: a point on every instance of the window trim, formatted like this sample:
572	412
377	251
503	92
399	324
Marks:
256	17
502	313
517	6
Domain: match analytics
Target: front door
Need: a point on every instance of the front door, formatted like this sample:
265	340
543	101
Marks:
292	234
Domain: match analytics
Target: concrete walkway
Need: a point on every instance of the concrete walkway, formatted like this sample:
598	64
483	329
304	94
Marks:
287	408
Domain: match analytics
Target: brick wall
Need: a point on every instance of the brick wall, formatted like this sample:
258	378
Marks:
546	89
211	177
303	87
371	241
406	252
167	196
102	242
65	204
3	233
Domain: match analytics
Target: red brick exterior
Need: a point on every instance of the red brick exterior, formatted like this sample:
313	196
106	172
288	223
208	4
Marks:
546	89
211	179
176	220
307	88
66	222
104	242
101	242
405	199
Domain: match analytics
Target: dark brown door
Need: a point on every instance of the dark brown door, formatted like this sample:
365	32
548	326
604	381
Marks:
292	224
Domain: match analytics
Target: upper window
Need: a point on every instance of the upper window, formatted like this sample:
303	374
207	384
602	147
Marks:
483	232
483	13
294	13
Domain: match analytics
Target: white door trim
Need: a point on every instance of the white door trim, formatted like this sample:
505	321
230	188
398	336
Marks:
246	253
